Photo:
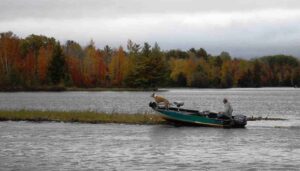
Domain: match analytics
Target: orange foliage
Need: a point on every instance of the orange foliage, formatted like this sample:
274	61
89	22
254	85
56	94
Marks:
44	58
117	67
75	70
9	53
28	67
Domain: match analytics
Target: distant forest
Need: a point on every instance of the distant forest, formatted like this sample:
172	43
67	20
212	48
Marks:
40	61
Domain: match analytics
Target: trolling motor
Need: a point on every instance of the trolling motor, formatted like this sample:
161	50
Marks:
178	104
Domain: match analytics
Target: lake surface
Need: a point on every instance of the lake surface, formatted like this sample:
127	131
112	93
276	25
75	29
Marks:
248	101
64	146
263	145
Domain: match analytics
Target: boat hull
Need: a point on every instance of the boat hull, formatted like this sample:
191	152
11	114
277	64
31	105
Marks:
194	120
194	117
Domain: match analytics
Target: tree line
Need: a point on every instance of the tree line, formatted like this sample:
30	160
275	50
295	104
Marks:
40	61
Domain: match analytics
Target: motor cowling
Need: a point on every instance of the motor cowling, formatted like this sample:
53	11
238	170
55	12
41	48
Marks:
240	120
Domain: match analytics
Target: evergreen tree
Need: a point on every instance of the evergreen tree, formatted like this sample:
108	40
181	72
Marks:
146	50
57	65
150	70
201	53
256	73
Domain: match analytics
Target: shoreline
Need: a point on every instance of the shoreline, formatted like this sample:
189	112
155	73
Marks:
67	89
95	89
93	117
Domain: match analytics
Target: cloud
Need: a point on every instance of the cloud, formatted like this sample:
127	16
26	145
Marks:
244	28
114	8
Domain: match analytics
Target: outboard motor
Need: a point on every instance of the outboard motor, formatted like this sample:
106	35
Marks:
240	120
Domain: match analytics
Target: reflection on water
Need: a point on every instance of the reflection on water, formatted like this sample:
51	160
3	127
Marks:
62	146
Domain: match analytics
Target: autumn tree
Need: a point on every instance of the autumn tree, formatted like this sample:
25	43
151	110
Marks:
31	45
118	67
295	81
201	77
9	57
178	74
189	69
74	58
37	61
91	66
226	75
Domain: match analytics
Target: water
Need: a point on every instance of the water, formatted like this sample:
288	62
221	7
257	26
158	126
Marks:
263	145
257	102
63	146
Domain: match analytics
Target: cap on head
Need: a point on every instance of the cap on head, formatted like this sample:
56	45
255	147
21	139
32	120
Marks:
225	100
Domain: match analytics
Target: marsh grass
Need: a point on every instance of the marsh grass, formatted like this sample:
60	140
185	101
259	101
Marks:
91	117
264	118
81	117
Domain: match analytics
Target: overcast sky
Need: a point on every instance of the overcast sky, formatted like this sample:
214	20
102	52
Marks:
244	28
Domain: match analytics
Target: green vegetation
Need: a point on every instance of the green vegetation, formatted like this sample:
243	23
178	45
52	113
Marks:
81	117
57	67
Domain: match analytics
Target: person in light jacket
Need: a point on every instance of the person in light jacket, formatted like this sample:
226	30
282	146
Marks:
227	110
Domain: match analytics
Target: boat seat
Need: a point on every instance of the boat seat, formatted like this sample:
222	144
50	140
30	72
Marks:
178	103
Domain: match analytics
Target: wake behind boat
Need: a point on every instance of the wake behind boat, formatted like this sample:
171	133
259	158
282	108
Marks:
194	117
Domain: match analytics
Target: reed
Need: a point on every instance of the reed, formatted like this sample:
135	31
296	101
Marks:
252	118
81	117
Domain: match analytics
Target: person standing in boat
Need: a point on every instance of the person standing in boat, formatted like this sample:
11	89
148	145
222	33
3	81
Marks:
160	99
227	110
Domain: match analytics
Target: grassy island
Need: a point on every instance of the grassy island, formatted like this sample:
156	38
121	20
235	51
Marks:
81	117
91	117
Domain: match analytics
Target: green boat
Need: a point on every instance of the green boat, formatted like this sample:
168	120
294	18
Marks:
182	116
